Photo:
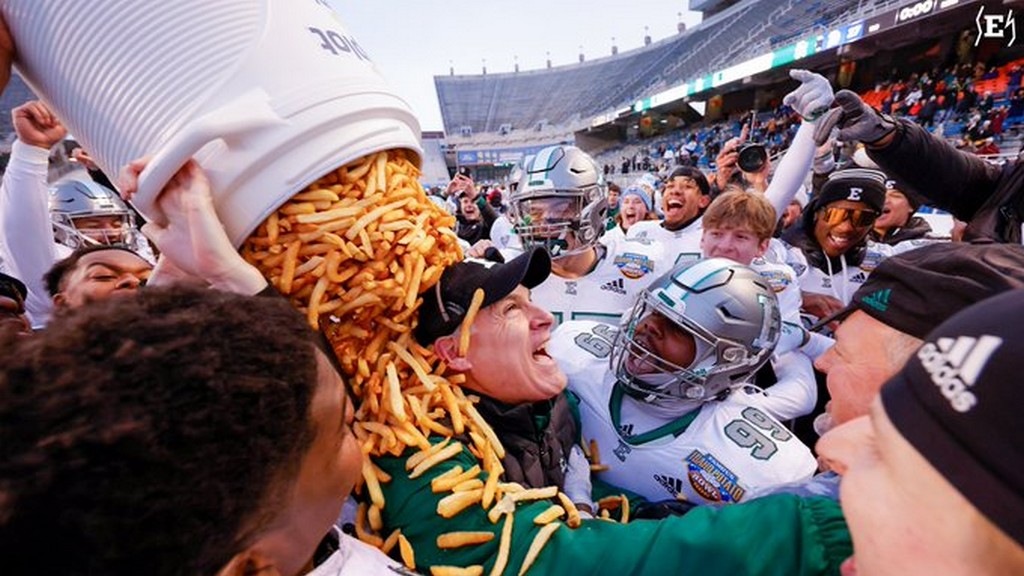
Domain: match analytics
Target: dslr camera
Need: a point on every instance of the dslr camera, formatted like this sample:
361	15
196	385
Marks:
752	157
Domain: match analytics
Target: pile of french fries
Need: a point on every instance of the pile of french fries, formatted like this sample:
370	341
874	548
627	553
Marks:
354	251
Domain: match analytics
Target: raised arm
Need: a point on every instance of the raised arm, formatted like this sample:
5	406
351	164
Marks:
26	234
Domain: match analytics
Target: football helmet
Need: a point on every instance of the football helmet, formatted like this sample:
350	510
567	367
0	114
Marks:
86	213
561	201
732	315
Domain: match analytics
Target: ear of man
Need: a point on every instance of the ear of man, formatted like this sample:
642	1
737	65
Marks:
447	349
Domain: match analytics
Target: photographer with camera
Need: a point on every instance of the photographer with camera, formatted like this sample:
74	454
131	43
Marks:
688	193
742	162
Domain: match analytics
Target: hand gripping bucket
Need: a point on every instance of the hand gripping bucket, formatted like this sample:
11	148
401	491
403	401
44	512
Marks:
267	95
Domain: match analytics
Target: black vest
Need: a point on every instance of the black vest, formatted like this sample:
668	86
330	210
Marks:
534	457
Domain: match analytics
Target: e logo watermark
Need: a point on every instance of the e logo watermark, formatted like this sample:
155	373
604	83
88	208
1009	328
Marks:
996	26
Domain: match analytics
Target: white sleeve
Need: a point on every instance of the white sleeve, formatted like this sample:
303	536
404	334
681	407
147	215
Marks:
817	345
796	391
790	300
26	235
792	170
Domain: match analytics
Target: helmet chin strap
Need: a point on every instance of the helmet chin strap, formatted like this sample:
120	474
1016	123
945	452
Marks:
661	404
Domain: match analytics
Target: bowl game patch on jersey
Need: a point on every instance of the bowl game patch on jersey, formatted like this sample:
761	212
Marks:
779	280
634	265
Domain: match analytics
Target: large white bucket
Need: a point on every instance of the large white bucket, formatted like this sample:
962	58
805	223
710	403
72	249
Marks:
267	95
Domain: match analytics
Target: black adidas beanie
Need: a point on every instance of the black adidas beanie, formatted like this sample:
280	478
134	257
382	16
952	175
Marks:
958	402
915	291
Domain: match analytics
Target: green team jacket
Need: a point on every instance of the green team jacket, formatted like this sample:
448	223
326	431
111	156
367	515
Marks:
778	535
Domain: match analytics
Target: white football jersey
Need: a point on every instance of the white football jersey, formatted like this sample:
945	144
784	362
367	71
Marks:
609	290
784	283
683	245
356	558
844	280
725	452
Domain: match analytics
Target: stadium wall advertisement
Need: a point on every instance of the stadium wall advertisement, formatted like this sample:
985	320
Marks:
839	36
496	156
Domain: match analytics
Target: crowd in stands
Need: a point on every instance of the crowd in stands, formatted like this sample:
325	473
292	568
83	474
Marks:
655	363
972	105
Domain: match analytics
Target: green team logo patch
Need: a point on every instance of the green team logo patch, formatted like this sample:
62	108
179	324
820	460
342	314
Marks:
879	299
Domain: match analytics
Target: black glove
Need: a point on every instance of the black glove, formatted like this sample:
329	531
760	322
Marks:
856	121
662	509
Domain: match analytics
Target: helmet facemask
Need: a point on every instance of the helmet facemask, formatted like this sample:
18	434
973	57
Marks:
560	202
718	363
84	213
560	223
78	231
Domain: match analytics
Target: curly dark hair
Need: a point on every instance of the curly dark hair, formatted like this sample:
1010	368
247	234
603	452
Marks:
157	433
54	277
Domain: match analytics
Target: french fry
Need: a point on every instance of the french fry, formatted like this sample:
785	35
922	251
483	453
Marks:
395	404
272	228
573	519
313	316
510	487
391	540
450	473
373	515
467	322
471	484
485	428
475	570
553	512
460	539
291	260
535	494
372	485
361	533
452	405
415	459
624	516
439	484
504	545
457	502
504	506
406	357
537	545
441	456
492	478
406	551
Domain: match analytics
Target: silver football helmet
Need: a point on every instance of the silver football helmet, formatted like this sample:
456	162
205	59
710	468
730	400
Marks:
86	213
561	202
730	312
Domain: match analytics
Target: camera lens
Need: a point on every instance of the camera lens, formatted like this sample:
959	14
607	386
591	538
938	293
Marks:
752	157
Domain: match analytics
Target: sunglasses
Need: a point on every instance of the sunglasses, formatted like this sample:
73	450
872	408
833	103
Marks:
858	217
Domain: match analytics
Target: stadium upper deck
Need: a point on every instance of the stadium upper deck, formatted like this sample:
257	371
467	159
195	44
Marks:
522	100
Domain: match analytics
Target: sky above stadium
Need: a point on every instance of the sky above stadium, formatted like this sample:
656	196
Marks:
411	41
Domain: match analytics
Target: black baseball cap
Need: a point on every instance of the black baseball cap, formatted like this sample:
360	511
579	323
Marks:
915	291
958	402
445	305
